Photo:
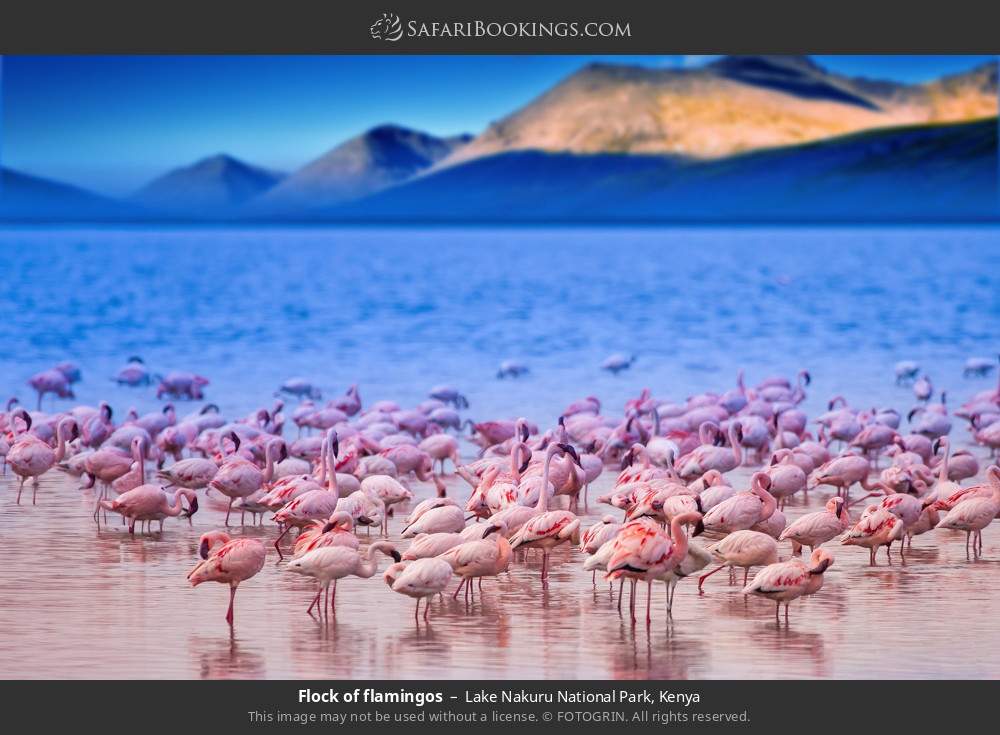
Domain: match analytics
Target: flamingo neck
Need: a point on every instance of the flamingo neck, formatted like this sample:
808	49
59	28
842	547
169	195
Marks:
543	495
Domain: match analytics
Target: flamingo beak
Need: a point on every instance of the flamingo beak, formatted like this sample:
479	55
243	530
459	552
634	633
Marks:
203	549
192	509
699	528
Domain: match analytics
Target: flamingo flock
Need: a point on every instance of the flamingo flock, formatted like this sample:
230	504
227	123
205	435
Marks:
348	466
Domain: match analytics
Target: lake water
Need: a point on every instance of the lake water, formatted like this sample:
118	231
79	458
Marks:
400	310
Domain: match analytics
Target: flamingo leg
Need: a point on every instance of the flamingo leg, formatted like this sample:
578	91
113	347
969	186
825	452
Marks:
621	587
649	595
416	610
314	602
746	573
702	578
20	487
427	602
229	510
278	541
232	600
459	588
34	491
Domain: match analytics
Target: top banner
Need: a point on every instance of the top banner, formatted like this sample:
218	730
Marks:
515	26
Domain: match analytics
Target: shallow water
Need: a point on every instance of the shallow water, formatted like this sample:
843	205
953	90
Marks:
401	310
83	603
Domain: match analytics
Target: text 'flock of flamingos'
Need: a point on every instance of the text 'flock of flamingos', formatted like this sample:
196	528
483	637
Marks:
352	465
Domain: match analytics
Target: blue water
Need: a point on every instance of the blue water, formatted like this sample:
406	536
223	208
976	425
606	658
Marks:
399	310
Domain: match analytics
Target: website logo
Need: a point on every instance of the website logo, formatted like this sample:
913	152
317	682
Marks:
387	28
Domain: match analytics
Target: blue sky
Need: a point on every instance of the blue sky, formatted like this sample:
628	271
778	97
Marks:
112	123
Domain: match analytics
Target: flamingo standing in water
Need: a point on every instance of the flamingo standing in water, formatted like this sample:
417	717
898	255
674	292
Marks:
548	528
31	457
238	477
815	529
483	557
317	503
228	561
789	580
744	510
974	514
596	536
644	553
420	579
329	563
151	503
709	457
742	549
878	527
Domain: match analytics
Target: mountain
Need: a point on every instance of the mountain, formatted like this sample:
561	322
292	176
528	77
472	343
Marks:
915	172
734	105
214	186
379	158
24	197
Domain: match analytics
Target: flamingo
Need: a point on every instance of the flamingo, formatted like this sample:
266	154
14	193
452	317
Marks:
708	457
238	477
790	580
228	561
432	544
29	456
815	529
151	503
597	535
644	553
514	517
483	557
744	510
742	549
337	530
420	579
974	514
697	558
547	529
327	564
787	477
51	381
193	473
316	503
842	472
877	527
136	475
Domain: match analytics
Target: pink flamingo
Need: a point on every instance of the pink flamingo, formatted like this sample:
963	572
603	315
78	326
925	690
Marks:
315	504
193	473
29	456
337	530
708	457
790	580
151	503
483	557
815	529
644	553
228	561
879	527
842	472
327	564
51	381
742	549
974	514
136	475
427	545
420	580
238	477
744	510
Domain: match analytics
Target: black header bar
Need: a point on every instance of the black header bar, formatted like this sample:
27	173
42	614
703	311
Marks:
513	26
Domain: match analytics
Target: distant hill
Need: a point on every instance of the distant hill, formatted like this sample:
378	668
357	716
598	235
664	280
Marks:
214	186
734	105
379	158
923	172
24	197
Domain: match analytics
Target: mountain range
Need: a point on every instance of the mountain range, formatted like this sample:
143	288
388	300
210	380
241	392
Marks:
743	137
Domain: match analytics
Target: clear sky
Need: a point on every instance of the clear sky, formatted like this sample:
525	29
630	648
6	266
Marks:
112	123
